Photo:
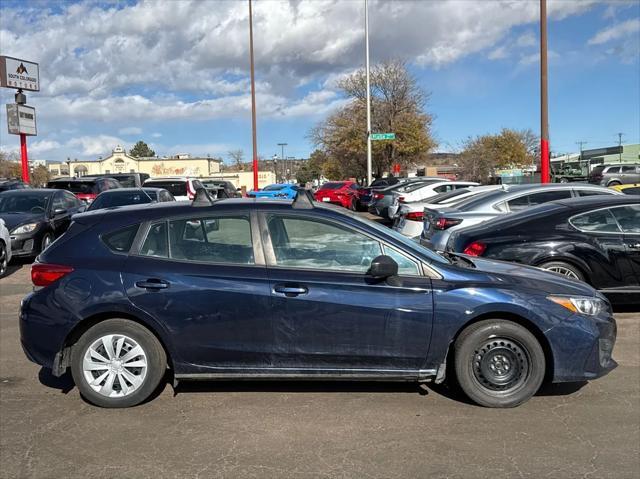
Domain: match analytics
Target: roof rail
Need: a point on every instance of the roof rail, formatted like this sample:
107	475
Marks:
303	200
202	198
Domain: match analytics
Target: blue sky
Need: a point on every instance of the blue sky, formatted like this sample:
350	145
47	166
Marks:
175	74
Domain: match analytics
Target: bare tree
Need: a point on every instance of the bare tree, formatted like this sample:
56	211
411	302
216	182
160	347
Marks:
237	159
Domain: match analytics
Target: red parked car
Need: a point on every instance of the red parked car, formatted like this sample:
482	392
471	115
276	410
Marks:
85	189
341	193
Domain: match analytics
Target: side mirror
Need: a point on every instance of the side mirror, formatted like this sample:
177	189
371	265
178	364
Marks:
383	267
59	211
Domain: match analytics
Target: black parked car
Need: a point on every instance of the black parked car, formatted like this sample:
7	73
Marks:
594	239
130	196
126	180
36	217
7	185
221	188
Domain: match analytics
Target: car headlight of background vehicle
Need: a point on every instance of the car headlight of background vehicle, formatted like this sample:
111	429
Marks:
580	304
28	228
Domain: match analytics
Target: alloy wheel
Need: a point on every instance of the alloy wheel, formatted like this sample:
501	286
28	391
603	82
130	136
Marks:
563	271
115	365
3	259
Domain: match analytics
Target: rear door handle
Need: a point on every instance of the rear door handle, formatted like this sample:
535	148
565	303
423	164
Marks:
290	291
153	284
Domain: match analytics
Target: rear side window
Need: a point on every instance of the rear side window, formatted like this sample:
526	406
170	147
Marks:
121	240
592	192
534	199
628	218
155	244
601	221
224	239
629	169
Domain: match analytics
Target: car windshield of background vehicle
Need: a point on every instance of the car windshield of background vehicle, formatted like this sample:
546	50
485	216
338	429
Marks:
311	244
628	218
601	221
24	203
121	199
332	186
176	188
273	188
77	187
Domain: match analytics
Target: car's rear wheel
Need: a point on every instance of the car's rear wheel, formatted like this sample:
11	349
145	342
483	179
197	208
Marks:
353	205
564	269
498	363
614	183
4	263
117	363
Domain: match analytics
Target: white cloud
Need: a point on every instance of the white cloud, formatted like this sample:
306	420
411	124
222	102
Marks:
156	135
43	146
528	39
616	32
93	146
130	130
533	58
499	53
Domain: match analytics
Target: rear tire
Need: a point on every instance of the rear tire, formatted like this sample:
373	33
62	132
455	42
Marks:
564	269
498	363
614	183
117	363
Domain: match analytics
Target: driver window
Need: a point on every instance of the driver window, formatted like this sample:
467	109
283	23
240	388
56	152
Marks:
311	244
58	202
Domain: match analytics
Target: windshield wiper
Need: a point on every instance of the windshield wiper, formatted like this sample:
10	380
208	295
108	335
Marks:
457	259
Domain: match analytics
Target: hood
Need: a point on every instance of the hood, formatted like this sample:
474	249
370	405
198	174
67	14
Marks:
13	220
529	277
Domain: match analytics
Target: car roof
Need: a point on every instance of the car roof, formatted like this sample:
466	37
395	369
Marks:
78	179
598	200
132	190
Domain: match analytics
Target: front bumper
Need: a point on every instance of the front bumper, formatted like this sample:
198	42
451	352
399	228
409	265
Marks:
24	245
582	347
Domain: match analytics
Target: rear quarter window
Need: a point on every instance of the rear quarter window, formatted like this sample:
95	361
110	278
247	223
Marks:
120	241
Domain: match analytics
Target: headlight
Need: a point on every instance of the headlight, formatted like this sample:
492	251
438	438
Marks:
28	228
580	304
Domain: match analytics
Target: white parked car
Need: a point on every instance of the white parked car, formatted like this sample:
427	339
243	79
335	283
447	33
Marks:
421	192
408	220
5	248
182	188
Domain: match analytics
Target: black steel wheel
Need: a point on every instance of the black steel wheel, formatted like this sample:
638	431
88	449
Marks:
499	363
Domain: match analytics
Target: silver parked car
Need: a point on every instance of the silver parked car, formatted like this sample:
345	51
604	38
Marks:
614	175
438	224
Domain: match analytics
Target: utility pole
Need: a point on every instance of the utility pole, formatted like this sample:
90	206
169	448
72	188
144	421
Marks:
284	159
620	145
366	35
544	112
580	143
253	103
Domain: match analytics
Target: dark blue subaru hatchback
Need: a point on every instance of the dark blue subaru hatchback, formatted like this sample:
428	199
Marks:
270	289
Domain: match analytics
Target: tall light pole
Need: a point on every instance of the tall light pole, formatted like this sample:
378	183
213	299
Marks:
253	104
366	34
620	146
284	159
544	112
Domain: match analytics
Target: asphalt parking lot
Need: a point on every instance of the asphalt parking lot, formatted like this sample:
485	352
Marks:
319	429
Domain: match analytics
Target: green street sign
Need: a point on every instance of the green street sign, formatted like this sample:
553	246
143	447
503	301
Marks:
383	136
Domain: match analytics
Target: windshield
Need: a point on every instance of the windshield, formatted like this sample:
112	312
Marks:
121	199
273	188
176	187
472	203
406	241
81	187
24	203
214	184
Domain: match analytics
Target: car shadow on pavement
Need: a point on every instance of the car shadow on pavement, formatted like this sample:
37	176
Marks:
16	264
299	387
64	383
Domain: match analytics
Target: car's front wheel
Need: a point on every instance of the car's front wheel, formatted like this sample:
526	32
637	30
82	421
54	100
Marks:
47	239
117	363
3	259
498	363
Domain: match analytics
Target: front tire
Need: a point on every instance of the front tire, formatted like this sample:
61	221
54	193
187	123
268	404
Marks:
499	363
117	363
47	239
4	263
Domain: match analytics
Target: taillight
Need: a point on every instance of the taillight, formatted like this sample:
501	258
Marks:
401	198
444	223
378	196
415	216
43	274
475	249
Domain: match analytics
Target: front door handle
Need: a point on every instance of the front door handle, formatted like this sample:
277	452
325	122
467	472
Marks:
290	291
153	283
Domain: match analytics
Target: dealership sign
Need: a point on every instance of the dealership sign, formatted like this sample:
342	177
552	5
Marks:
20	74
21	119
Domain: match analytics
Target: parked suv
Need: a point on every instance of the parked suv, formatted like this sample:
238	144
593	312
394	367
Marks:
275	289
127	180
613	175
85	189
182	188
